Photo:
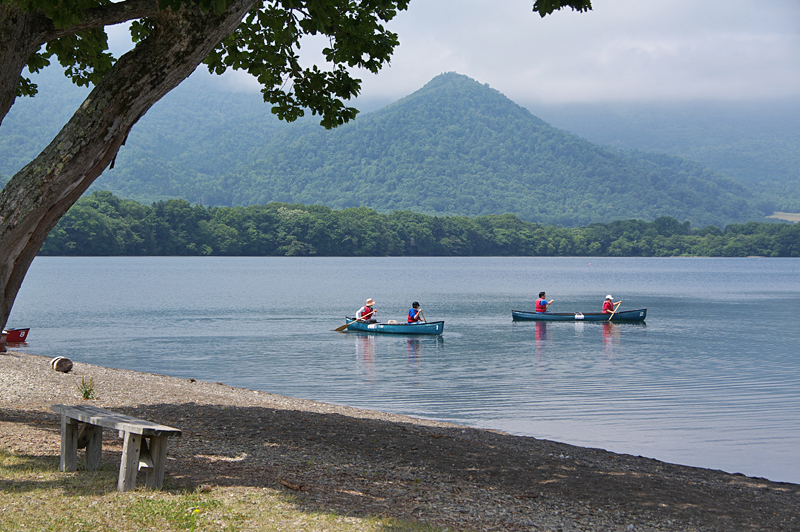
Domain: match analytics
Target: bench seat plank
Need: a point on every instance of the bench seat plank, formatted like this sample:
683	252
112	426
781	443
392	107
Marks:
113	420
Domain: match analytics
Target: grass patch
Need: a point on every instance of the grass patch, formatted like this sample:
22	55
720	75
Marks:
86	388
35	495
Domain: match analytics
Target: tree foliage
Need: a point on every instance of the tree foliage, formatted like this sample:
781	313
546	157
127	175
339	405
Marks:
265	44
103	224
546	7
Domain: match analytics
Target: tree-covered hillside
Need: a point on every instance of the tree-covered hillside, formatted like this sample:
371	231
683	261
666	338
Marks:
453	147
755	143
459	147
102	224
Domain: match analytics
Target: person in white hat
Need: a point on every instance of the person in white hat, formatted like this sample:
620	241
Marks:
367	313
608	305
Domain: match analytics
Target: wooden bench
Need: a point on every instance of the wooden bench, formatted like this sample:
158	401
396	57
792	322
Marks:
144	446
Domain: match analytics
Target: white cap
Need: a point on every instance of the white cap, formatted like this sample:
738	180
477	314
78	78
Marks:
609	297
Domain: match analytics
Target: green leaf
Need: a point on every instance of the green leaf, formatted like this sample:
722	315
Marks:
546	7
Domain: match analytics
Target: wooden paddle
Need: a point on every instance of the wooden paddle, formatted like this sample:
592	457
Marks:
345	326
616	306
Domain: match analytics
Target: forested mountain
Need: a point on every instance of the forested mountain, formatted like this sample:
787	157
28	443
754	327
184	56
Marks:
459	147
755	143
453	147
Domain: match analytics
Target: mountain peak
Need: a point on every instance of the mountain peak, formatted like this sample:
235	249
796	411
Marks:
453	93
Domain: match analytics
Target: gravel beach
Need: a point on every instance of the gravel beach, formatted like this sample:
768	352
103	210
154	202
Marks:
360	462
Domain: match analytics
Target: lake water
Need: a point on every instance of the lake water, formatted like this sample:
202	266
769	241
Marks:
711	380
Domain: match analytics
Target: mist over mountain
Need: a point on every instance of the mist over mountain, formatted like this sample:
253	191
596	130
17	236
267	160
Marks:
756	143
453	147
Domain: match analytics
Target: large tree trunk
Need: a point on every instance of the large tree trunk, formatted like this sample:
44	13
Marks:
38	195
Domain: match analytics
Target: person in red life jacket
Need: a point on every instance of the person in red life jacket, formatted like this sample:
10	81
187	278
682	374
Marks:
541	303
415	314
367	312
609	305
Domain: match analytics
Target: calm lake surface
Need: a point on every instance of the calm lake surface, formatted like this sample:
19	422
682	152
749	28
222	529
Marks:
711	380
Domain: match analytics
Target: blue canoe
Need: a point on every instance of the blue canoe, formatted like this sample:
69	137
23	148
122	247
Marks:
432	327
622	315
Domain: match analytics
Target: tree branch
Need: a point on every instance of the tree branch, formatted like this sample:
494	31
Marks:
109	15
22	33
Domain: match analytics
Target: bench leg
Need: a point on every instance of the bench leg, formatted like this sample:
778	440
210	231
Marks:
158	453
129	465
69	444
94	449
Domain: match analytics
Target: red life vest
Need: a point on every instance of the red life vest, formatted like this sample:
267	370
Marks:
541	305
608	307
367	314
413	316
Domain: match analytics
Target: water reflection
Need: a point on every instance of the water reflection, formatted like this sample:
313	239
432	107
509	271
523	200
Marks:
365	354
377	355
611	339
413	349
611	334
541	339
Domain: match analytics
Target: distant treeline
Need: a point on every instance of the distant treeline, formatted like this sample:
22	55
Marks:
103	224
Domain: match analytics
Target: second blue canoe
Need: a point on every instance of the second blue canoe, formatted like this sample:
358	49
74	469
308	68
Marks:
623	315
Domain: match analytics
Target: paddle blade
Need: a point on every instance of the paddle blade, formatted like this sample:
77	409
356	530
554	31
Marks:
342	327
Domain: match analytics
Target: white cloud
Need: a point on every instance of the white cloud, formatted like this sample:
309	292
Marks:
622	50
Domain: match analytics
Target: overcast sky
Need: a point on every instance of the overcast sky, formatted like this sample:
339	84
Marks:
623	50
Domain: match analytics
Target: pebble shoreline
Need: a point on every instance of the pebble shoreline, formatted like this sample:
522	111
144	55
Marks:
364	462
